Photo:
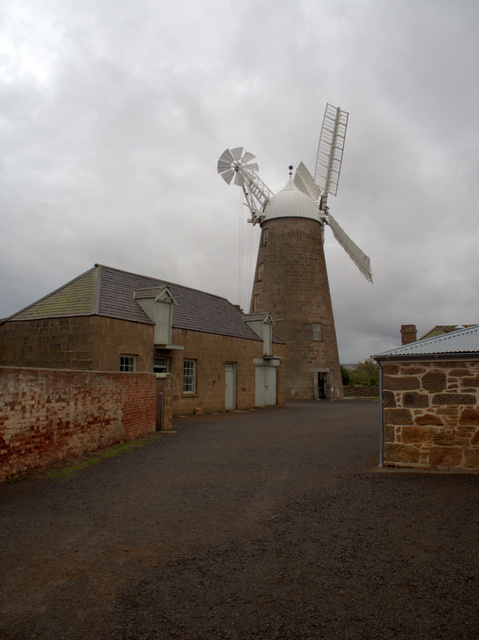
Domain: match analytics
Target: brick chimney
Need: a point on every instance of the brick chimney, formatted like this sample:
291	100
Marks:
408	333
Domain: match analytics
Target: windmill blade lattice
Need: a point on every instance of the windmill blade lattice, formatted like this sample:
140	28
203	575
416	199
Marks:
330	149
232	161
360	259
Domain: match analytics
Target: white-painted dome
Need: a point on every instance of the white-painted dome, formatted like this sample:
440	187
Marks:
290	202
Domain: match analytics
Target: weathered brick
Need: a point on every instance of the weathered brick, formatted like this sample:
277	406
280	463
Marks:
469	416
389	433
416	435
471	458
85	411
412	399
389	399
428	419
445	456
400	453
398	417
453	399
434	381
390	369
401	383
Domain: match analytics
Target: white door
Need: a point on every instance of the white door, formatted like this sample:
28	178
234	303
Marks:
265	388
230	386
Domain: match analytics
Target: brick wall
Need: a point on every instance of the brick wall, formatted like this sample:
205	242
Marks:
431	415
49	415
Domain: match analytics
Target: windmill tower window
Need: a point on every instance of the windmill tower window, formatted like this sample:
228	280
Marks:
317	330
260	271
264	237
256	302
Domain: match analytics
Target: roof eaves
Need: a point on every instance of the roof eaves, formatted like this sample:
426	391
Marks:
427	357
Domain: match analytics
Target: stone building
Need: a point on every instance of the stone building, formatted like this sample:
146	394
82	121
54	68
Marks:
291	283
430	402
208	356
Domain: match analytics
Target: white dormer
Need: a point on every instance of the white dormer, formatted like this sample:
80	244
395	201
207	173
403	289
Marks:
157	303
262	325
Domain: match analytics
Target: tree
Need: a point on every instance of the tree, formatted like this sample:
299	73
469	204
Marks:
345	377
366	374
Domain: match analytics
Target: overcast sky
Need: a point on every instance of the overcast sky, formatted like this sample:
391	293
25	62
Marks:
113	114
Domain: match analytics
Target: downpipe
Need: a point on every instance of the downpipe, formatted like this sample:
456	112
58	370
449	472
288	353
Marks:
381	418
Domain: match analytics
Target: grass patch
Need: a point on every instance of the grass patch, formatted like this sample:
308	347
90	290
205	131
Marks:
67	472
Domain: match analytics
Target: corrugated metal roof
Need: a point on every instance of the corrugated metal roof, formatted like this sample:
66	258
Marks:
462	341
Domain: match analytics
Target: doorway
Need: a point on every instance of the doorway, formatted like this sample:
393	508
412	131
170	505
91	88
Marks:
230	386
322	384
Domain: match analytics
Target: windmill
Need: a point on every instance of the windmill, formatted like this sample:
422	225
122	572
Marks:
291	280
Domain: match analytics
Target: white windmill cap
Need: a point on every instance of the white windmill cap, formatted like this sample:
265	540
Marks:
290	202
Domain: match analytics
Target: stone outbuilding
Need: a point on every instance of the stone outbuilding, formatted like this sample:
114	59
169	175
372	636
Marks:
206	354
430	402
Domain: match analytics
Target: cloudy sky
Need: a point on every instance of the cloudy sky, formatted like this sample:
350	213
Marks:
113	115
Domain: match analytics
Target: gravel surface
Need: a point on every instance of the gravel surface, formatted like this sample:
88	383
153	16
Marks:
267	524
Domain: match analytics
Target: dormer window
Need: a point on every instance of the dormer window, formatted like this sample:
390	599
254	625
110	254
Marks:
157	303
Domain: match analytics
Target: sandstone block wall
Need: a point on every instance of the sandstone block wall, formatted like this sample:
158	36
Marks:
83	342
431	415
50	415
211	352
292	284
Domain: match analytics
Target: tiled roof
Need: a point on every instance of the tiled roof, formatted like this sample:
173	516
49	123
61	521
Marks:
77	298
441	329
460	342
110	292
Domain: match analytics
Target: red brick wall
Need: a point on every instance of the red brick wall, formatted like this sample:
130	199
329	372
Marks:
48	415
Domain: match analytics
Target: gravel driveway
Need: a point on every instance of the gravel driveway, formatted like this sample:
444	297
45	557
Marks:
266	524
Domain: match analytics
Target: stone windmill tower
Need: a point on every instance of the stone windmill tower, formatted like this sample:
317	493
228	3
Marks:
291	279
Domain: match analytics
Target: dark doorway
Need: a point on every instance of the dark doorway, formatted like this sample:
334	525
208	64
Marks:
322	385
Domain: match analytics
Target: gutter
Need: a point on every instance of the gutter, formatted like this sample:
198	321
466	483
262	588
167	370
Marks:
427	357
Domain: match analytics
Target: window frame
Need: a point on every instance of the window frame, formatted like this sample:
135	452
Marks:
166	365
317	328
189	376
260	273
128	362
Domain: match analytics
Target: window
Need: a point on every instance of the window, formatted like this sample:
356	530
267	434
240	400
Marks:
189	376
161	365
127	363
256	302
260	271
264	239
317	330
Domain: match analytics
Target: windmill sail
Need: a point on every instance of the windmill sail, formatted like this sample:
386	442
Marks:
360	259
330	149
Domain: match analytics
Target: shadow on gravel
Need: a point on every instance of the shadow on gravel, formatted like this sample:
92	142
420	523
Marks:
272	524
